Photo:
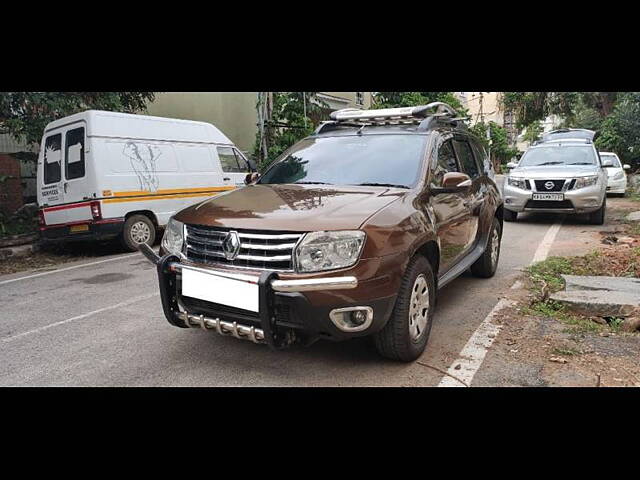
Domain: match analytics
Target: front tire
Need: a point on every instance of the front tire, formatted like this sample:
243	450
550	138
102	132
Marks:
138	229
405	335
597	217
510	216
487	264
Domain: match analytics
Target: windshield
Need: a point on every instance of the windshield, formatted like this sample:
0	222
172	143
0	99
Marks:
615	163
555	155
378	160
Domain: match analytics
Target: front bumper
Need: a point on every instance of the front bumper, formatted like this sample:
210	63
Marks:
290	310
617	186
583	200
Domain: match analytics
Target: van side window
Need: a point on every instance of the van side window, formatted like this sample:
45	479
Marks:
446	162
228	160
74	154
242	162
465	155
52	158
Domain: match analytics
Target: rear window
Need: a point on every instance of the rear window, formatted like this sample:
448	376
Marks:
52	159
74	154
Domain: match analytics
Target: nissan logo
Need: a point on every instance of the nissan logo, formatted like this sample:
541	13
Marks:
231	245
549	185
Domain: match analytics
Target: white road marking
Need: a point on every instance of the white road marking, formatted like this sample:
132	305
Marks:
80	317
473	353
67	268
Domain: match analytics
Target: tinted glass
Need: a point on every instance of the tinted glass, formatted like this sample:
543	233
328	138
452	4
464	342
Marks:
352	160
74	154
465	156
566	155
53	158
446	162
228	160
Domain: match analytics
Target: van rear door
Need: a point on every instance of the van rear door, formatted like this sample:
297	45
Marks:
50	178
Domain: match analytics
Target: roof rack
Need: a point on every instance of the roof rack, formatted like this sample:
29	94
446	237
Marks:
420	115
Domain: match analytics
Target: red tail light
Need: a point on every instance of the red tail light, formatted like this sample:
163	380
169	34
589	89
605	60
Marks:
96	212
41	219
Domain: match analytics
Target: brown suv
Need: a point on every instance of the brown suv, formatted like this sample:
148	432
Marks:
349	233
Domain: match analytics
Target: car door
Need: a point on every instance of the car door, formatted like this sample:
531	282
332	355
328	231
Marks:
234	166
474	195
450	207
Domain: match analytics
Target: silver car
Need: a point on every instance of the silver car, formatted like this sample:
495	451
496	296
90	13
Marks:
562	174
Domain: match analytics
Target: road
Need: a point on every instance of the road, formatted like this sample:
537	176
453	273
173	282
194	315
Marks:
100	323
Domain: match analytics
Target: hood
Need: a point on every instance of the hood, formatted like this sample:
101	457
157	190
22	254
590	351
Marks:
291	207
555	171
611	171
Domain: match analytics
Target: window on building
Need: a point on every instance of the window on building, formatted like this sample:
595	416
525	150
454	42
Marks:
359	98
74	154
52	158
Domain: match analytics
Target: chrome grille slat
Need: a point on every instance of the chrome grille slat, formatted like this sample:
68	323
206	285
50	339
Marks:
259	251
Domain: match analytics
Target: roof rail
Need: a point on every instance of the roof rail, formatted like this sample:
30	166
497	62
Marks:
352	117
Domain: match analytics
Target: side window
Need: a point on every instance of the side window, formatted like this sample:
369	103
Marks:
228	160
52	158
74	154
481	157
242	162
468	163
446	162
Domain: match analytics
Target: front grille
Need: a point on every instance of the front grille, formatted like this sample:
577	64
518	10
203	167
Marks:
548	204
258	249
557	185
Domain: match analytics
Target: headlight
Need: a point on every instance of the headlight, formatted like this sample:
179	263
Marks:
319	251
173	239
618	176
582	182
517	182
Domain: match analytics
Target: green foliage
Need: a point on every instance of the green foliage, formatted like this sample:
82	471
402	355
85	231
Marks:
295	115
25	114
530	107
412	99
498	144
620	131
533	132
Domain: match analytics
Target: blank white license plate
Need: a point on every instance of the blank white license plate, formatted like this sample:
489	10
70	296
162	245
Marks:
549	196
225	291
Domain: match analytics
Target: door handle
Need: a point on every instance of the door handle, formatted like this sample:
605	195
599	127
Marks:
64	186
226	179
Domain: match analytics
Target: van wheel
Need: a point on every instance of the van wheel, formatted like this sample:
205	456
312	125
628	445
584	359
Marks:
138	229
405	335
487	264
510	216
597	217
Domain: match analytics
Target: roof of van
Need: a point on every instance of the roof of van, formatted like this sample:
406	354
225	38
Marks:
127	125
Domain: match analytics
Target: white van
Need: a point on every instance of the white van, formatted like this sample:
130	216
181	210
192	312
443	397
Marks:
103	175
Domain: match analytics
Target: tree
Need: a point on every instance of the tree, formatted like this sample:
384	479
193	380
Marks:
620	131
497	144
25	114
284	118
412	99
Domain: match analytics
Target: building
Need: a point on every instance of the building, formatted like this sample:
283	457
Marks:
235	112
17	178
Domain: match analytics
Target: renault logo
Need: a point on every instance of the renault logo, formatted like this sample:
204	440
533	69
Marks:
231	245
549	185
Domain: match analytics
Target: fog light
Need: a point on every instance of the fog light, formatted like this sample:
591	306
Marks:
352	319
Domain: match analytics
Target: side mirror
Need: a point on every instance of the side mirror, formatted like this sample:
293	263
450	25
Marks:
512	165
626	167
251	178
455	180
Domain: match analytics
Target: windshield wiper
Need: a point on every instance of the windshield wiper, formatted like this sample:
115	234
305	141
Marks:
382	185
312	183
548	163
580	163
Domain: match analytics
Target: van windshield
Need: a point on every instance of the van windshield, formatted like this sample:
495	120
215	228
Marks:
377	160
555	155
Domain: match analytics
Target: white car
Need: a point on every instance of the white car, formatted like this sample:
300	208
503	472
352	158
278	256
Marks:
617	178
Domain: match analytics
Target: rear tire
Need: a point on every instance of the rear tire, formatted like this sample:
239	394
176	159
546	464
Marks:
487	264
138	229
597	217
405	335
510	216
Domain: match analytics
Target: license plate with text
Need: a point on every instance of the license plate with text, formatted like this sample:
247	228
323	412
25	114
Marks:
549	196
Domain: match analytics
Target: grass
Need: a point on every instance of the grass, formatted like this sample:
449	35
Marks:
566	351
575	323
